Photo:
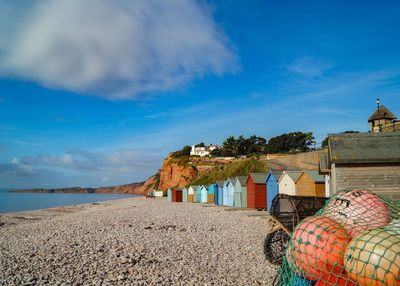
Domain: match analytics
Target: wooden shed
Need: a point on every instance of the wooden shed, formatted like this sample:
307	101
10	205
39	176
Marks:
364	160
220	193
311	184
287	182
174	195
272	186
192	194
211	194
240	194
257	190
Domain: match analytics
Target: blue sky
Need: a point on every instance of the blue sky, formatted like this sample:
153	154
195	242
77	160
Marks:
97	93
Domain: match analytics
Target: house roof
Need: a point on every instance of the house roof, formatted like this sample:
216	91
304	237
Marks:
356	148
382	113
242	180
258	178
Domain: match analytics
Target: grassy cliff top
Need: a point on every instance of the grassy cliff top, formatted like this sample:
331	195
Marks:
236	168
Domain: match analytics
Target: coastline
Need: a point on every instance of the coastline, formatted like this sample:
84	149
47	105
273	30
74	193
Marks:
134	241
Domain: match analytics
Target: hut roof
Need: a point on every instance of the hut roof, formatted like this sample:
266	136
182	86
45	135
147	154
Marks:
259	178
220	183
277	174
293	174
315	176
381	113
356	148
242	180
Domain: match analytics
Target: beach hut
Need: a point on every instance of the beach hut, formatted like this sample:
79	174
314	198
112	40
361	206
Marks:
176	195
257	190
192	194
169	195
240	194
272	186
220	187
310	183
184	195
227	194
202	194
287	182
211	194
198	194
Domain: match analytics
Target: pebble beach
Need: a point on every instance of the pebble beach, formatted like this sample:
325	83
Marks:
135	241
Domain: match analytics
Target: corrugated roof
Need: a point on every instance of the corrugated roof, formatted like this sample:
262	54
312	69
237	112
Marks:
242	180
382	113
259	178
355	148
315	176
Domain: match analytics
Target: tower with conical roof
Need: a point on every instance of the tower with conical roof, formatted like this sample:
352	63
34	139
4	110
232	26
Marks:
381	117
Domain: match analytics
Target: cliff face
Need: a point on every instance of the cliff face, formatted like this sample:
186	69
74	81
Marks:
134	188
176	174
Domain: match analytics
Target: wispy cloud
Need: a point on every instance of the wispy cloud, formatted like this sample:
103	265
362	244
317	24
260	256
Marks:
117	49
308	66
126	165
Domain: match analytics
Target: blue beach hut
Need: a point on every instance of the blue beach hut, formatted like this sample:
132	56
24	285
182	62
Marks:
203	194
272	186
211	194
220	193
228	190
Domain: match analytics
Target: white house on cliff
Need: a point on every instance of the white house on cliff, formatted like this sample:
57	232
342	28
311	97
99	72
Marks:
202	151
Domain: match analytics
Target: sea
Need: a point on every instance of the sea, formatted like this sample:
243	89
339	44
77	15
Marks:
15	202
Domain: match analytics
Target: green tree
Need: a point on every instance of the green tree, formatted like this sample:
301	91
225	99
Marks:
290	143
185	151
200	145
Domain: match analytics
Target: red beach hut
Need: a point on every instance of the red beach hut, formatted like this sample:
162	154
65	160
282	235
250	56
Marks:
177	195
257	190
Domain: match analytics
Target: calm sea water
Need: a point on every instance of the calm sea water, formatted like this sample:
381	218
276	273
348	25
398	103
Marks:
13	202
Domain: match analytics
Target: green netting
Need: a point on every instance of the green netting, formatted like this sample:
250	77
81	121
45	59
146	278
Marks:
353	240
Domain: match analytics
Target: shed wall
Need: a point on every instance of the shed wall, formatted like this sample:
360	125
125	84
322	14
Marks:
287	186
256	194
382	180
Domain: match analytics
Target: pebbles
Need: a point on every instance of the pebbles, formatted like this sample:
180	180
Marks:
135	242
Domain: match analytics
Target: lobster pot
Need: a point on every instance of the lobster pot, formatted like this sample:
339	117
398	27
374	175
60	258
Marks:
169	195
210	199
190	198
184	195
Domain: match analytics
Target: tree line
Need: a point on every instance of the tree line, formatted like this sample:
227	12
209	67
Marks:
256	145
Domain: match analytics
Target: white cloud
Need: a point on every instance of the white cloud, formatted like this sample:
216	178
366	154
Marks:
117	49
308	66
